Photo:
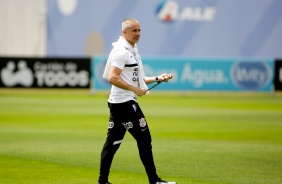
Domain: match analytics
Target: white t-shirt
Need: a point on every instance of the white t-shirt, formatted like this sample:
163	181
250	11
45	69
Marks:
125	60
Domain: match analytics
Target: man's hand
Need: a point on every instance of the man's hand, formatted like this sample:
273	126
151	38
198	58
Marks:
165	77
140	91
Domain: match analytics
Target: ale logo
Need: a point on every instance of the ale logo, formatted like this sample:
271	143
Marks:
169	11
251	75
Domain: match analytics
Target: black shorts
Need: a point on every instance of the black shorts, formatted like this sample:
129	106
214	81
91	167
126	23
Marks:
127	116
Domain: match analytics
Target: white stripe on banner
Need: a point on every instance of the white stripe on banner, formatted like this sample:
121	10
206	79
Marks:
117	142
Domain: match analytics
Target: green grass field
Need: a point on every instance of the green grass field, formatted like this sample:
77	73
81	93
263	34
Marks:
55	136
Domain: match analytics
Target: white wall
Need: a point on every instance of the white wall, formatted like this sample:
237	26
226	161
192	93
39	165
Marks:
23	28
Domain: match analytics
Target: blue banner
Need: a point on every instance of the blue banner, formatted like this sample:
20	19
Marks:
194	28
201	74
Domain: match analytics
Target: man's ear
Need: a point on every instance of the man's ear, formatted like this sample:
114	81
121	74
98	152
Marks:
123	31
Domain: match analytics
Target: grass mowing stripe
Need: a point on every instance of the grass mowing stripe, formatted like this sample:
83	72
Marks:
24	171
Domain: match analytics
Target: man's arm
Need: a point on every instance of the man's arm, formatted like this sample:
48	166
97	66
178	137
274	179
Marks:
163	78
114	79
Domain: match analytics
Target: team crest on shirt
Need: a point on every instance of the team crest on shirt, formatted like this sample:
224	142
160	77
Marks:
127	125
111	125
142	122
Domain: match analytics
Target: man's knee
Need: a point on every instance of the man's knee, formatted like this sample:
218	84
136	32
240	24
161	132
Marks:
112	146
144	144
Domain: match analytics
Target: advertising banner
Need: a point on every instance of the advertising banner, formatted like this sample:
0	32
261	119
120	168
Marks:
189	28
45	72
200	74
278	75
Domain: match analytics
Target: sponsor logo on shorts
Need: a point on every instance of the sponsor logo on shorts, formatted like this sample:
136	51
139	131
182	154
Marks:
111	125
142	122
127	125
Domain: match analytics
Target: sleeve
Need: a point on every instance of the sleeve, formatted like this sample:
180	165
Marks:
119	59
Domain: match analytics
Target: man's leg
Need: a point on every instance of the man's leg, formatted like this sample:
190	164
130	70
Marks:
140	131
116	132
146	155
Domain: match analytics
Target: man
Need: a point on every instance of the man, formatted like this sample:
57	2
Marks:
124	71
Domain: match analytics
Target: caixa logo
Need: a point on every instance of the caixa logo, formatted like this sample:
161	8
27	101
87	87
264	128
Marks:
251	75
169	11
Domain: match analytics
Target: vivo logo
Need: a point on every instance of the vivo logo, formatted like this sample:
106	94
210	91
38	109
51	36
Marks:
250	75
169	10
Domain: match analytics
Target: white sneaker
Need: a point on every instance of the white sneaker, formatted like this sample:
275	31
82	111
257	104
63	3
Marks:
160	181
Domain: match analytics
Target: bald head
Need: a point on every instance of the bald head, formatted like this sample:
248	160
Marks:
127	23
